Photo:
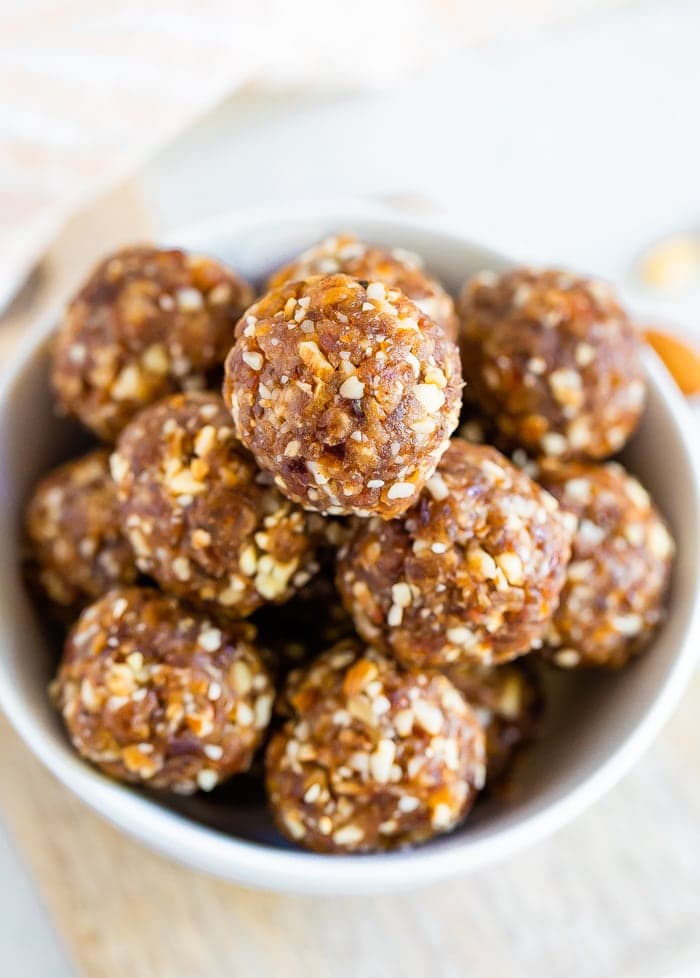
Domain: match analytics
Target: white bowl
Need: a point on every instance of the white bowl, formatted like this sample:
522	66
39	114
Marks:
596	727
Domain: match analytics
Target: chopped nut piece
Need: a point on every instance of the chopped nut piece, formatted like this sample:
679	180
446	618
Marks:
352	388
401	490
430	396
254	360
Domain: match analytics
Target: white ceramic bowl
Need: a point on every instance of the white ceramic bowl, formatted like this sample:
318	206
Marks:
597	725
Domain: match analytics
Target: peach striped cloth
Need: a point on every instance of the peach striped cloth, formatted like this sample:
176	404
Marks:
91	88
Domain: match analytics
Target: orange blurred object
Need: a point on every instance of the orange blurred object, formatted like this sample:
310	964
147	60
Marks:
682	361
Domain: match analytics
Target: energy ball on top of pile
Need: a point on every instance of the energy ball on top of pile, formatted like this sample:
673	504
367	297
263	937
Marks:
148	322
76	550
372	756
508	701
397	269
200	516
616	582
156	694
471	573
553	360
345	392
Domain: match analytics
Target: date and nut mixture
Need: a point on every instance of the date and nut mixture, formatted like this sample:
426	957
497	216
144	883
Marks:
76	550
154	693
471	573
201	518
616	582
373	756
346	392
147	322
553	360
396	269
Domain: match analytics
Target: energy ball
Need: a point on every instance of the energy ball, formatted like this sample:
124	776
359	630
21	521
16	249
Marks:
77	551
471	573
156	694
613	597
346	392
201	518
373	757
554	360
396	269
147	322
508	702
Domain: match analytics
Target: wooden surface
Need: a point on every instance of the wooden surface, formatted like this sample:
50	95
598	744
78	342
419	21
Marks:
614	895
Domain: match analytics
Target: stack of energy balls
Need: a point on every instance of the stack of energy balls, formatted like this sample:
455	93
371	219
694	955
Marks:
312	564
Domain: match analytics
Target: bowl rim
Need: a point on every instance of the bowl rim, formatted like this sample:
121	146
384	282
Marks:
298	871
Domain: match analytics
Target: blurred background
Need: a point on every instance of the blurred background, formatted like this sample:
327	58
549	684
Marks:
556	131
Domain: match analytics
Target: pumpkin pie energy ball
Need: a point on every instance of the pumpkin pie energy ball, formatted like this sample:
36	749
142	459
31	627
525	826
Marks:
76	548
372	757
201	518
156	694
397	269
146	323
345	392
620	567
471	573
553	359
508	702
